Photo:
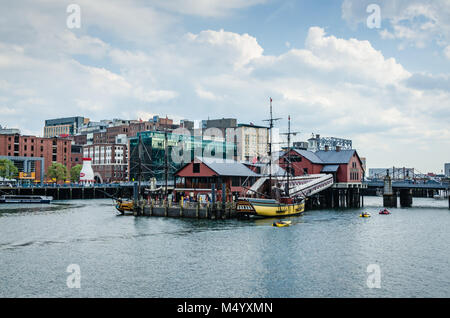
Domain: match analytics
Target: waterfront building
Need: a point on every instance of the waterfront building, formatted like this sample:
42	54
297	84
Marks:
76	155
25	151
447	170
106	142
109	161
181	149
345	165
199	175
63	126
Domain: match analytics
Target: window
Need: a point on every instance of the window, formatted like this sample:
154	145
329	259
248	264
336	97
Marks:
305	170
196	168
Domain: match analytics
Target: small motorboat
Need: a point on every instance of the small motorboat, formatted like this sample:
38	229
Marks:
364	215
124	206
29	199
384	211
282	223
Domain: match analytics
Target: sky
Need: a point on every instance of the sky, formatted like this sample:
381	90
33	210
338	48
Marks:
376	72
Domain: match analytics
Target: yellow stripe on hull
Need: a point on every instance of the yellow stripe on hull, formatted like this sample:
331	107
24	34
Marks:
278	210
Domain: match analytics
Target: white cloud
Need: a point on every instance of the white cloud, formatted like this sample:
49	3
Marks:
237	49
447	52
206	94
412	22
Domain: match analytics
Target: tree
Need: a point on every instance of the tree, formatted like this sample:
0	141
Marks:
7	169
57	171
75	173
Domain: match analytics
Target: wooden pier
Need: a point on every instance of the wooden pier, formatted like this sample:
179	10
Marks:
336	197
71	193
193	210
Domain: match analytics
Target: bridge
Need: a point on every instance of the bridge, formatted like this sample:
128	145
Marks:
405	189
410	185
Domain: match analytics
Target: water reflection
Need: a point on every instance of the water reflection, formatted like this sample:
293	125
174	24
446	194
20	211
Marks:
322	253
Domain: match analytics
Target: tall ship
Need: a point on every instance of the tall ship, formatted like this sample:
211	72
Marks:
278	193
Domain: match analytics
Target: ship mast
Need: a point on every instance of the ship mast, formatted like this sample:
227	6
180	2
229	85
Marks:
140	165
289	155
271	121
288	170
166	166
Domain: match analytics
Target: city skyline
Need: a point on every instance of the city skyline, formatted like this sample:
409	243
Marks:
385	88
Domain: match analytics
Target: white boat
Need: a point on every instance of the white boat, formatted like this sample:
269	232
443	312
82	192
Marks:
25	199
440	197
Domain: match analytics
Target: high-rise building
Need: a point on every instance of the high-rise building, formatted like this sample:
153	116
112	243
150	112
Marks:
447	170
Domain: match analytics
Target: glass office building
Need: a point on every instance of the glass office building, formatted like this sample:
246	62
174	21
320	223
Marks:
181	149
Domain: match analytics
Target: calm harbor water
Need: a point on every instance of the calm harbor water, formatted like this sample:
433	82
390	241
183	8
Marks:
323	254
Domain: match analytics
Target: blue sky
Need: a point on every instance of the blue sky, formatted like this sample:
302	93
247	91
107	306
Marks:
385	88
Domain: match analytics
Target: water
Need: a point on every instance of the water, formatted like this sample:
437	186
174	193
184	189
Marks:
323	254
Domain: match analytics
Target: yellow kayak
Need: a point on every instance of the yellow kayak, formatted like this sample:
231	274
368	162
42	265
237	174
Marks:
282	223
366	215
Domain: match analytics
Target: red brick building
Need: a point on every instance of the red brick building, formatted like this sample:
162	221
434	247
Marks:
345	165
50	149
109	161
199	175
